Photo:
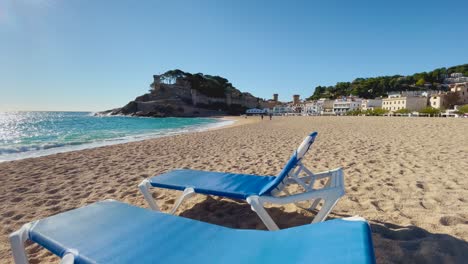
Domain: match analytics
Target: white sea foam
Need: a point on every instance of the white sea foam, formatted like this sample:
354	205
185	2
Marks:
9	154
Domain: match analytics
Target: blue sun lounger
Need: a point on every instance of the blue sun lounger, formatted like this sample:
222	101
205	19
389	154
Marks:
256	190
114	232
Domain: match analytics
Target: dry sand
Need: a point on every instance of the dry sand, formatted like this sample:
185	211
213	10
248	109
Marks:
407	176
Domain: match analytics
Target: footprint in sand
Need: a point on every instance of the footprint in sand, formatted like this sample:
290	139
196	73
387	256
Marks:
422	185
452	220
20	190
8	214
16	200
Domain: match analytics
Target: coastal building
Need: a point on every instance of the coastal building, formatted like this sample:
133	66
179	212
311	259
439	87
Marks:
456	77
342	106
319	105
272	102
438	101
282	110
327	106
312	108
412	103
256	111
370	104
462	90
425	93
447	99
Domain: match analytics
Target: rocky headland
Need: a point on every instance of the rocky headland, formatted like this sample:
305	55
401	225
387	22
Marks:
181	94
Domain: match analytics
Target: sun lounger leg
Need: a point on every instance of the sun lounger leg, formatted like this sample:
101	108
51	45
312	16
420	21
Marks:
17	240
188	192
144	188
325	210
314	205
257	207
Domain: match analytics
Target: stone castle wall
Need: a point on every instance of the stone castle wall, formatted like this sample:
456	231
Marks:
181	89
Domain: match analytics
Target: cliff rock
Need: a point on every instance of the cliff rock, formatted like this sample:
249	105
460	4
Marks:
181	94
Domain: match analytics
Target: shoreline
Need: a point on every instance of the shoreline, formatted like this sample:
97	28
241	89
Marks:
225	122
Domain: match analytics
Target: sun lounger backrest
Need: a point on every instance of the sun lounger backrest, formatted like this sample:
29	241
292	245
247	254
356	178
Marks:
305	145
292	163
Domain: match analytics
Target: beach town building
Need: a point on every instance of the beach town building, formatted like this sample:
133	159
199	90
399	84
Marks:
319	105
272	102
327	106
425	93
342	106
370	104
256	111
438	101
312	107
296	105
462	90
412	103
283	109
456	77
442	100
308	108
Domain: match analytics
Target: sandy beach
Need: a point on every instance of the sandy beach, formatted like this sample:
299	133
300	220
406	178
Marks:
407	176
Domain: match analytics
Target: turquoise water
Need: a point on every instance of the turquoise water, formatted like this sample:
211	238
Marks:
30	134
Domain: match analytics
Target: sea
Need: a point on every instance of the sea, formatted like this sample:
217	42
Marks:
34	134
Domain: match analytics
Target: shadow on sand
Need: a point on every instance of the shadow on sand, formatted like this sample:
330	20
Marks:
392	243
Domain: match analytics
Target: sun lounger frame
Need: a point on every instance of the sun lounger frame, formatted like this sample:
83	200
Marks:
18	239
69	255
331	192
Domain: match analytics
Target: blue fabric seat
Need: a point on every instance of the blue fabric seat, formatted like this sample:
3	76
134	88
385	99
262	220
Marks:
232	185
114	232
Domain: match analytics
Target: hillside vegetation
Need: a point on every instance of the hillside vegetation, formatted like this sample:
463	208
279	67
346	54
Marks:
209	85
380	86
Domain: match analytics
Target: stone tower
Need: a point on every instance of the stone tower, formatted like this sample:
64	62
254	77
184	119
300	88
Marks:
275	97
296	99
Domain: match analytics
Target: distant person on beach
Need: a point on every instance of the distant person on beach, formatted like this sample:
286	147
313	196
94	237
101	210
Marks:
261	116
270	115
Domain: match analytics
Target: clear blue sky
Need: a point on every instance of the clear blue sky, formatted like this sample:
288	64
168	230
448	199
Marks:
95	55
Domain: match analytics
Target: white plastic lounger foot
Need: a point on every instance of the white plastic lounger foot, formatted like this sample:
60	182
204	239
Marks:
144	188
188	192
17	240
257	206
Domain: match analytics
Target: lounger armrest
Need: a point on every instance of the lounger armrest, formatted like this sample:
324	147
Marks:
319	175
315	194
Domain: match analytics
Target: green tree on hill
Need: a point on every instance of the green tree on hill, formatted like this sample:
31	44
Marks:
420	82
209	85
